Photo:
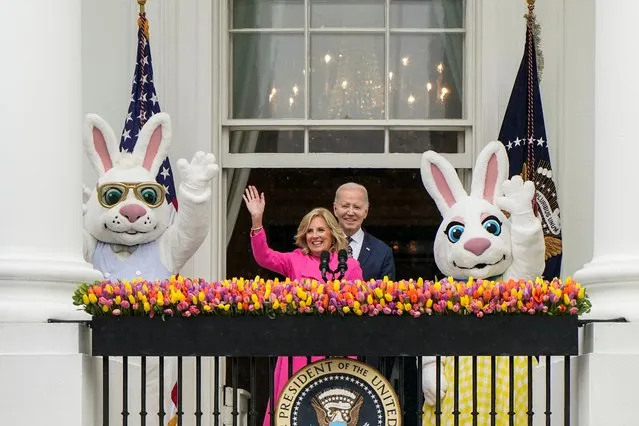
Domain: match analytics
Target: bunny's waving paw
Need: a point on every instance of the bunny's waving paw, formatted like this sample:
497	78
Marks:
197	174
518	196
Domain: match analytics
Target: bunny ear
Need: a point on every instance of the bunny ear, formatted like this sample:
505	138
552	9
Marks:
100	143
441	181
491	169
153	142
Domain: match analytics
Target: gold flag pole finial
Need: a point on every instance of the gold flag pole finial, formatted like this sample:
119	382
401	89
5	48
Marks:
143	2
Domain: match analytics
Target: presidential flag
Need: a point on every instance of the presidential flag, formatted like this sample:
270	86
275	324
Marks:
144	104
523	132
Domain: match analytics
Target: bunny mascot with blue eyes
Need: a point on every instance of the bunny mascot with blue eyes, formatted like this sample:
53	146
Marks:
128	229
476	239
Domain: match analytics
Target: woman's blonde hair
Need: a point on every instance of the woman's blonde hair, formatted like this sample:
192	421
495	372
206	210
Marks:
339	237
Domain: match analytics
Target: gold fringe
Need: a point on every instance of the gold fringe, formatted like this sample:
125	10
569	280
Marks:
144	23
537	38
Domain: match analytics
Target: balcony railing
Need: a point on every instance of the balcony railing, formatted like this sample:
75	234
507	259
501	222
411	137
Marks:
245	342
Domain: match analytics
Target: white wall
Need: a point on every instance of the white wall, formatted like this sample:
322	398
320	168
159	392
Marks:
184	57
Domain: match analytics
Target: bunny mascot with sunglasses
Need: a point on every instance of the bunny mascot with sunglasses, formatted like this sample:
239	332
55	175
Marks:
128	226
128	229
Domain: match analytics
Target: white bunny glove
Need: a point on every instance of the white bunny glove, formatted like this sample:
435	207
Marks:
526	235
429	380
197	175
518	196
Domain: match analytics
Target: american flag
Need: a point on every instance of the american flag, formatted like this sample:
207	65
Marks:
523	132
144	104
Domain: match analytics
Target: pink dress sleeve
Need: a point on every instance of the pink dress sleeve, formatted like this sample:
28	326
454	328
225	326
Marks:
354	271
269	258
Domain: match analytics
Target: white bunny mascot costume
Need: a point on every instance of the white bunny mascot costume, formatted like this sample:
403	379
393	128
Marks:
127	219
476	239
128	230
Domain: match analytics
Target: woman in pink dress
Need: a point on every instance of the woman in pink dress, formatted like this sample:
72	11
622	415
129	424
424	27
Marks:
318	231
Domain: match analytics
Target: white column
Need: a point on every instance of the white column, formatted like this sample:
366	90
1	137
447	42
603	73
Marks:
612	277
41	260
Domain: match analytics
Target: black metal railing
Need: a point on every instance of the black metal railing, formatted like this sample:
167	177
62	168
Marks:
393	345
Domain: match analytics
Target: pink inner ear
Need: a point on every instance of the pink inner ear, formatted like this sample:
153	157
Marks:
491	179
152	149
99	143
442	185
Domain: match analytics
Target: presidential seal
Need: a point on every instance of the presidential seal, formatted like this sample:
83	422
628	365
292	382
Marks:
338	392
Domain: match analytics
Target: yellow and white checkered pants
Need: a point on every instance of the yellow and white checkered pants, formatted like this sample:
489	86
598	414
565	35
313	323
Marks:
502	397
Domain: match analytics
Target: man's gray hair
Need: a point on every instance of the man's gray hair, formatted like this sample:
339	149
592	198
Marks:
352	185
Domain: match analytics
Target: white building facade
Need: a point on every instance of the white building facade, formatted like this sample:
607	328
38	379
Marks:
80	55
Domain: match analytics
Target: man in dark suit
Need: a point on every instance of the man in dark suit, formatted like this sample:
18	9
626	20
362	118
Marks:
374	256
376	260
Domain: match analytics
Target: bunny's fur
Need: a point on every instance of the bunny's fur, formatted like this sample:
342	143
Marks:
475	238
516	251
167	246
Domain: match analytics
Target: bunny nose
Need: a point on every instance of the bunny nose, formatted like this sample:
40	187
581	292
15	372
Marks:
477	245
132	212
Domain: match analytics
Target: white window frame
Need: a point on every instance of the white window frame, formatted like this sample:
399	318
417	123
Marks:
468	125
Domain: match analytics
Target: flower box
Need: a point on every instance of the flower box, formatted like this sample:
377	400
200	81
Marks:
335	335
